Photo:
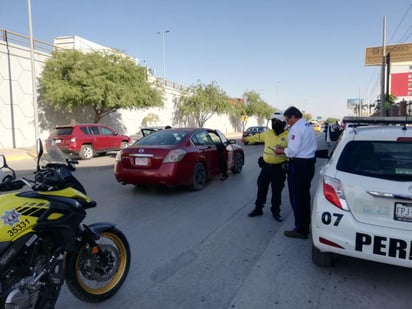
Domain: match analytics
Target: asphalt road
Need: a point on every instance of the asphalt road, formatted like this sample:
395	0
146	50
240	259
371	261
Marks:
200	250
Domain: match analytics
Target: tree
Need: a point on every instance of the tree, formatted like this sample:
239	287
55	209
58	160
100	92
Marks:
198	107
307	116
387	103
97	82
255	106
150	118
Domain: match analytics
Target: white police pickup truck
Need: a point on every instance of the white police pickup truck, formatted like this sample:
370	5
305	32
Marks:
363	204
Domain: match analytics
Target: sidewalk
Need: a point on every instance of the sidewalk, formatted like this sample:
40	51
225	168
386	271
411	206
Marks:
17	154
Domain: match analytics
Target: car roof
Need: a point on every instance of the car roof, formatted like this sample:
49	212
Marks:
377	132
153	128
257	127
80	125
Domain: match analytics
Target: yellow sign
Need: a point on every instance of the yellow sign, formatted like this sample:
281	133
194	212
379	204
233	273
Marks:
244	118
398	53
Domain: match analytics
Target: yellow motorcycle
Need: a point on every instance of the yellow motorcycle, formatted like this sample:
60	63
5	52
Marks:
43	241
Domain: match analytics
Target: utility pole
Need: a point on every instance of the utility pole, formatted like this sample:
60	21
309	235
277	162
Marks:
382	107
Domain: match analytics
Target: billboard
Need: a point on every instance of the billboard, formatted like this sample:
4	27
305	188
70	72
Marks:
352	103
398	53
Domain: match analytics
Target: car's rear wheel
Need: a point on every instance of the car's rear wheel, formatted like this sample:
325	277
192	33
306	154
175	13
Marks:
86	152
238	163
199	177
321	259
123	145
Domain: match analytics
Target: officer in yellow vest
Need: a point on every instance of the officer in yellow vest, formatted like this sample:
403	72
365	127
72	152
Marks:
272	166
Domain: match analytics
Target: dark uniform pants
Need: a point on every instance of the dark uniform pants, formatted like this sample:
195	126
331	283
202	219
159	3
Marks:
274	175
300	174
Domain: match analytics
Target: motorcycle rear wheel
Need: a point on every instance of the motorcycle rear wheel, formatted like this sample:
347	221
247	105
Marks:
92	278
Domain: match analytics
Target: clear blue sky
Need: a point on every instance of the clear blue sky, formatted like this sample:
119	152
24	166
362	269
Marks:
298	52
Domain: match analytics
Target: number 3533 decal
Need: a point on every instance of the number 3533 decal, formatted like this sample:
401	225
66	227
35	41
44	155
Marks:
331	218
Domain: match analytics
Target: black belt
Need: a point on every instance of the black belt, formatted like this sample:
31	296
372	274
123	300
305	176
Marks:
301	159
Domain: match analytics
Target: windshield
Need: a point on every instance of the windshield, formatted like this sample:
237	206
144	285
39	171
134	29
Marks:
52	153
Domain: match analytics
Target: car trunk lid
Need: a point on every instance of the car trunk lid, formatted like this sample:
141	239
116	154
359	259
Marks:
381	202
144	157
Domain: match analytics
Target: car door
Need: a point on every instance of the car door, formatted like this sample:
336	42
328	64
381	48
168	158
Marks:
95	137
208	151
110	138
228	149
222	146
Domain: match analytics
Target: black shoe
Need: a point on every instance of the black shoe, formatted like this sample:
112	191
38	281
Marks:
224	177
277	217
294	234
255	212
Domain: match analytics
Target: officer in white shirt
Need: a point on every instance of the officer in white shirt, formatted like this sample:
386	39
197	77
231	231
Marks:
302	145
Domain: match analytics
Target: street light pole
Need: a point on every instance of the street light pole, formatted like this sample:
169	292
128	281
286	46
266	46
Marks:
33	74
164	51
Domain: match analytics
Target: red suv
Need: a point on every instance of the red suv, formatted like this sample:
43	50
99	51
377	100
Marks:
86	140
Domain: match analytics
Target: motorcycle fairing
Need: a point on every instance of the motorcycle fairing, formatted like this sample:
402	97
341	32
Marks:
25	215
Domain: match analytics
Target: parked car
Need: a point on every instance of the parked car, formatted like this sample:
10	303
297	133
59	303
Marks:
86	140
362	207
177	157
146	131
254	130
317	127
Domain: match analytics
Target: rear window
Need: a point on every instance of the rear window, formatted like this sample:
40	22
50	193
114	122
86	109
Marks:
164	137
63	131
380	159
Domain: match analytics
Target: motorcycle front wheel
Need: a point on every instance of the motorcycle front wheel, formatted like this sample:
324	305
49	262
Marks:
96	276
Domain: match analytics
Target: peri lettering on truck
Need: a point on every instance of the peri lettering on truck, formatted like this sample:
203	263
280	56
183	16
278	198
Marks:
384	246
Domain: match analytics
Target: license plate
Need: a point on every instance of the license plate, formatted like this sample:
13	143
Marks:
57	141
403	212
141	161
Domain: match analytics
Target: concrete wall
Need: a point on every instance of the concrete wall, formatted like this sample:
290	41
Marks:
16	94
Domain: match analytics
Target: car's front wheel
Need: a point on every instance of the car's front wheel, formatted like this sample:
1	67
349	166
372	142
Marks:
86	152
321	259
199	177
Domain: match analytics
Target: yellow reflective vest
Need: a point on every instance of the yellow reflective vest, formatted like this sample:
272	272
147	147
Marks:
270	139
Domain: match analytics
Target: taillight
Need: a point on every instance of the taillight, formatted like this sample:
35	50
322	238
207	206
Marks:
404	139
174	156
333	192
73	140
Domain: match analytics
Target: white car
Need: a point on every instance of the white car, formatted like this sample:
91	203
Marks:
363	204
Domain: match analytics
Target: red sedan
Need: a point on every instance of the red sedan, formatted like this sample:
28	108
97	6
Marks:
178	157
